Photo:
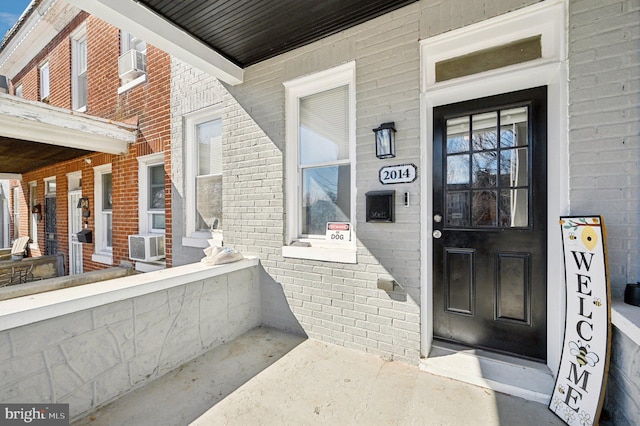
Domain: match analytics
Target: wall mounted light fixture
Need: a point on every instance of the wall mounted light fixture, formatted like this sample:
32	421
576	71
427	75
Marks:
385	140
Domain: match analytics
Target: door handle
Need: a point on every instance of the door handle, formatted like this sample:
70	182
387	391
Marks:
437	234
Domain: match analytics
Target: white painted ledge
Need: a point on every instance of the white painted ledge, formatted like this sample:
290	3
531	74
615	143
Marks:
627	318
39	307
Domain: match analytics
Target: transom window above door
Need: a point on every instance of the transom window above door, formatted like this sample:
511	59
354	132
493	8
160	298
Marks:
487	169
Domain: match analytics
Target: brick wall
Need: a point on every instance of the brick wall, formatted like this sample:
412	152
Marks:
604	125
604	159
191	91
338	303
146	104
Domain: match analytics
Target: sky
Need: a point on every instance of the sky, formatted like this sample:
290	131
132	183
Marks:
10	11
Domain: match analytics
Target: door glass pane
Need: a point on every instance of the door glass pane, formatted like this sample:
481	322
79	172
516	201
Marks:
457	171
483	209
458	135
497	172
326	197
457	209
485	169
514	167
485	135
513	127
514	208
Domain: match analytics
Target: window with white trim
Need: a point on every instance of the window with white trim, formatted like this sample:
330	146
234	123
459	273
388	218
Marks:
79	70
152	217
44	82
320	115
19	92
34	216
103	200
203	176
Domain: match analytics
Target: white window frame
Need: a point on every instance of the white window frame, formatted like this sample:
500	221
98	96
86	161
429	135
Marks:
45	80
103	253
33	217
194	238
77	38
316	248
19	92
145	221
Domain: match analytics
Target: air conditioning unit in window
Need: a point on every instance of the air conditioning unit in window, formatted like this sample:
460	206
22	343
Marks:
146	248
132	64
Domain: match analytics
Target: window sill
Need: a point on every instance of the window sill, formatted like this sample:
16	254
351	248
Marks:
133	83
626	318
106	258
327	253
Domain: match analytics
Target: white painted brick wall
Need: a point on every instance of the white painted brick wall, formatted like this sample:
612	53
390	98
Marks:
334	302
604	125
604	147
327	298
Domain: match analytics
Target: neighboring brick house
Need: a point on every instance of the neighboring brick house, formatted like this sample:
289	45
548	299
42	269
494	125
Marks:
128	194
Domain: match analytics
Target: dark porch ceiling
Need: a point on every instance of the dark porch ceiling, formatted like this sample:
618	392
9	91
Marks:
19	156
249	31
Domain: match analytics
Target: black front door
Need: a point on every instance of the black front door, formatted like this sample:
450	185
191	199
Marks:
50	225
489	224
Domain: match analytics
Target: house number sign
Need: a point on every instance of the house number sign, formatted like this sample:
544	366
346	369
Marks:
582	377
403	173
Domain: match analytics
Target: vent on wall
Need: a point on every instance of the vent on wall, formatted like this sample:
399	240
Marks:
146	248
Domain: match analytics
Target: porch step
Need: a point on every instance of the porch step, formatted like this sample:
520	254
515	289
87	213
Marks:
513	376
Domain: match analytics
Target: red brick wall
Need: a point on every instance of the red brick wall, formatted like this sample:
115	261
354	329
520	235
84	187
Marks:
148	104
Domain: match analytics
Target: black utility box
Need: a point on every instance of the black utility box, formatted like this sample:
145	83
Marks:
85	236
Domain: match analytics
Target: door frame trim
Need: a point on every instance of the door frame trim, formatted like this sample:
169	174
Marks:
550	71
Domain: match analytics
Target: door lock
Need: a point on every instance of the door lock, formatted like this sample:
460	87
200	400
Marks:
437	218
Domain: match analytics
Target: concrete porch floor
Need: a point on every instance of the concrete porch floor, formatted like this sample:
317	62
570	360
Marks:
266	377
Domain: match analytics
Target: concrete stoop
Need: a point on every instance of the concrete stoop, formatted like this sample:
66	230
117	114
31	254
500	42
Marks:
510	375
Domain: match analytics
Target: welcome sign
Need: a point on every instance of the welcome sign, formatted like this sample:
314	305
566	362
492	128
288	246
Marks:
578	394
